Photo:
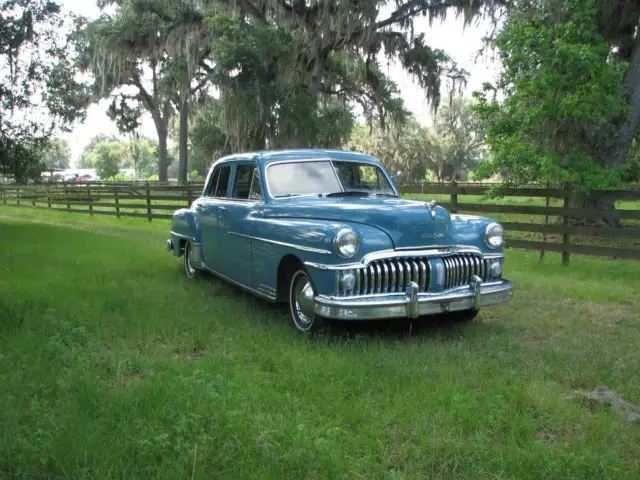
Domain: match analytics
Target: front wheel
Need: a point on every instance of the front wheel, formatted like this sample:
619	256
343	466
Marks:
302	296
189	269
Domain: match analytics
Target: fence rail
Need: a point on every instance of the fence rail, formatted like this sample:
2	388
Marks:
159	201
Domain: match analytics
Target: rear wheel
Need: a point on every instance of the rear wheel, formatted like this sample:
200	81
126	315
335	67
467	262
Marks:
189	269
302	296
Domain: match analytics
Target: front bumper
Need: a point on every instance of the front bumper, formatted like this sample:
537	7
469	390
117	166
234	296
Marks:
413	304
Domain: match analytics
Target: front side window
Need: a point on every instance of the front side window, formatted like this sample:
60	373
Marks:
219	182
362	177
255	193
324	177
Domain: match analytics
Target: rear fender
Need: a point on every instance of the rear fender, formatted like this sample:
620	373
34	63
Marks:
184	227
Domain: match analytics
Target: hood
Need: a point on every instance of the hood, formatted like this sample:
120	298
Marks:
408	223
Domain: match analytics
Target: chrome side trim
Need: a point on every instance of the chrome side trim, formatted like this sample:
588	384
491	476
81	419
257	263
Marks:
267	289
180	235
241	285
282	244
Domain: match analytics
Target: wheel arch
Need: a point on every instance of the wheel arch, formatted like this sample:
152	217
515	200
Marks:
286	268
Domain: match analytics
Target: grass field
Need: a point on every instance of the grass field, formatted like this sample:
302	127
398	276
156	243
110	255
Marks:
113	364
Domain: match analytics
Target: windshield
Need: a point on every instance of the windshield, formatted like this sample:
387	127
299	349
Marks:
320	177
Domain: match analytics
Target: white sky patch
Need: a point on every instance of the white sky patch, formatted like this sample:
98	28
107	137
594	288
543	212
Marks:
462	45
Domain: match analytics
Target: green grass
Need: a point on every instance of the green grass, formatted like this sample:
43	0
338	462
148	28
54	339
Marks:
113	364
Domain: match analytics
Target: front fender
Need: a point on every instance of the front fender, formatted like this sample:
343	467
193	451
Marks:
184	226
308	240
470	230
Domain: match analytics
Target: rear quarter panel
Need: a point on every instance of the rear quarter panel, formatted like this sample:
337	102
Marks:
184	226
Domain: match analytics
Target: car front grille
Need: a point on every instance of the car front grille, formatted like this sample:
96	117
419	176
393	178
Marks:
460	267
394	274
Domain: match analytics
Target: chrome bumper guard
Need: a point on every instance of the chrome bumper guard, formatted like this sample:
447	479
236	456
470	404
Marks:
413	304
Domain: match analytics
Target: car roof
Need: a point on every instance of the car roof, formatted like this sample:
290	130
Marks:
270	156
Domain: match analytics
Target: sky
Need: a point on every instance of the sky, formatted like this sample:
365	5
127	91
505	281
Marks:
460	43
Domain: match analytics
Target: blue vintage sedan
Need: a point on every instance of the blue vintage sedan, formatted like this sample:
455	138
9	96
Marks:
327	232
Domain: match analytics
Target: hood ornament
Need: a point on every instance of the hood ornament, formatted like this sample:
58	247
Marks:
432	208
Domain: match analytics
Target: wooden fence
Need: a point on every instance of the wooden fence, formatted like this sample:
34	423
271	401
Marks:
143	200
628	235
556	233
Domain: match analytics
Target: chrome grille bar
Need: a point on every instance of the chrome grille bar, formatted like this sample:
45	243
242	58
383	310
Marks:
385	277
423	276
392	275
400	276
392	284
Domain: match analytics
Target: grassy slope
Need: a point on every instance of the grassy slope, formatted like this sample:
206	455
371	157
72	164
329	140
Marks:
112	364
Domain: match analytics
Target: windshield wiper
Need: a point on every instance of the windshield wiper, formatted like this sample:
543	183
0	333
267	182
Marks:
349	193
392	195
289	195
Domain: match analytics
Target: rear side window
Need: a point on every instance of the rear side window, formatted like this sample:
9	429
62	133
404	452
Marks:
243	181
220	182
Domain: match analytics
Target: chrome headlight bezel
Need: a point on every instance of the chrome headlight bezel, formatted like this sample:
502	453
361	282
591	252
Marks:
347	243
494	236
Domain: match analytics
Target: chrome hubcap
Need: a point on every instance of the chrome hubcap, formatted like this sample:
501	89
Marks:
302	300
187	262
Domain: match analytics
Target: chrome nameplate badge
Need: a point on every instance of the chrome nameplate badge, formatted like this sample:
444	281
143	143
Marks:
432	235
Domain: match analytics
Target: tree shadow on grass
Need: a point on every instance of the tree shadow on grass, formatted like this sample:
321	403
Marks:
443	327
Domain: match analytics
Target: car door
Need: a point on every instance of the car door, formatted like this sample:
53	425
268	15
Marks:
237	216
209	211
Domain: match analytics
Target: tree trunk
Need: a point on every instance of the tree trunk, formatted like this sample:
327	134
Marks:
183	142
615	152
619	150
161	121
581	201
163	164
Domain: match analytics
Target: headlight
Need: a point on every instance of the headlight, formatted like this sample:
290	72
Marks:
347	243
494	235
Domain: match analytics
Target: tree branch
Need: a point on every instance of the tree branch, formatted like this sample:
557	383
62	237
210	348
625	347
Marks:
146	97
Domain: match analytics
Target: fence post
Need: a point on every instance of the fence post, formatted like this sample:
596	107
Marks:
33	198
17	196
565	235
188	195
546	222
148	202
90	200
66	197
48	192
115	194
454	198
